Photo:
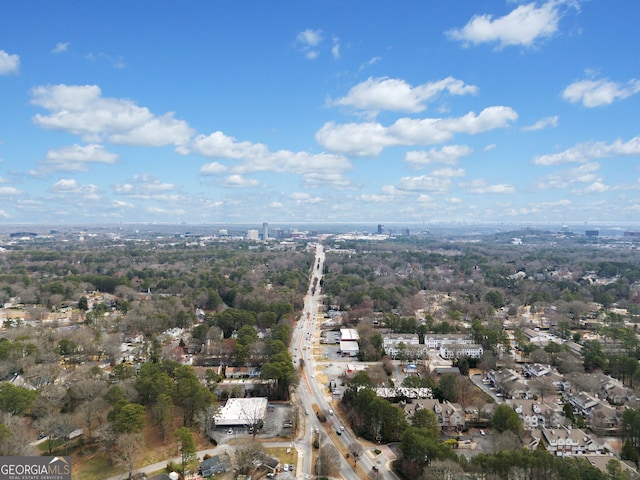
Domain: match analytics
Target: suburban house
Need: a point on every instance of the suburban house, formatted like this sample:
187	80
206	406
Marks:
242	372
536	414
457	350
570	442
604	417
213	465
616	393
451	416
509	383
582	402
434	341
404	392
392	344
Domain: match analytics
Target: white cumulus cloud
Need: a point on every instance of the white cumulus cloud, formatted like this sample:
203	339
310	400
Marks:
596	93
256	157
584	152
9	63
71	186
310	37
147	187
213	168
369	138
480	186
448	172
83	111
9	191
547	122
393	94
585	173
448	154
525	25
424	183
238	181
61	47
77	157
308	40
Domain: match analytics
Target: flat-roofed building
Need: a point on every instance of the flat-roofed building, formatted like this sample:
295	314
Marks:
349	342
241	411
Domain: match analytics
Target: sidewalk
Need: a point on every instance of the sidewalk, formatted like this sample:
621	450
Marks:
221	449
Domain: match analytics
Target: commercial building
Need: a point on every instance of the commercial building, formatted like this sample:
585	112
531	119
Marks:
241	412
349	342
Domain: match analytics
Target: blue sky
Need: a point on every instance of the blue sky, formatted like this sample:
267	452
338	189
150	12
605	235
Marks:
319	111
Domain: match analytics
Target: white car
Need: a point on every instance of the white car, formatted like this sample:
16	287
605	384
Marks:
285	467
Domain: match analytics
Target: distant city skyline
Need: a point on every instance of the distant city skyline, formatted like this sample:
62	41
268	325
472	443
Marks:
319	112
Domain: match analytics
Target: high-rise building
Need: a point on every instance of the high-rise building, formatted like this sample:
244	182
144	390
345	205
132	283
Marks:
380	229
265	231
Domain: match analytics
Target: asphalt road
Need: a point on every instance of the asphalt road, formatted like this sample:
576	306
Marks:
310	391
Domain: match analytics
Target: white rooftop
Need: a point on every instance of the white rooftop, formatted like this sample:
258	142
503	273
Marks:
241	411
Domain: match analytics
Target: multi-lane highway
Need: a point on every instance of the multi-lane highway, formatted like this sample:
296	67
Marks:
311	392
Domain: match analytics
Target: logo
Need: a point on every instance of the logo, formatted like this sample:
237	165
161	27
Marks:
35	468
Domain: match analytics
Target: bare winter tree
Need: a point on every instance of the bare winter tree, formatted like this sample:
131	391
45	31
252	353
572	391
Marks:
506	441
15	439
328	457
93	413
356	450
246	455
50	400
252	417
49	426
128	450
542	386
206	419
443	469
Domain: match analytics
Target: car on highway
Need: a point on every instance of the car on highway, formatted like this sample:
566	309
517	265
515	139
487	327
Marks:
338	432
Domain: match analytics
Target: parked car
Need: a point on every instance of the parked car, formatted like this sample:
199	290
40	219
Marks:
285	467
